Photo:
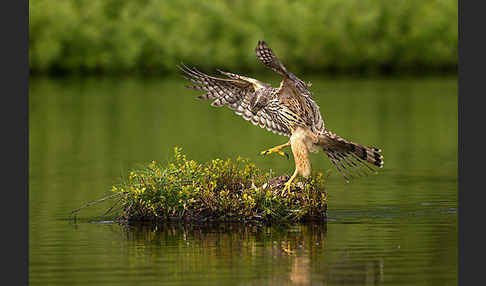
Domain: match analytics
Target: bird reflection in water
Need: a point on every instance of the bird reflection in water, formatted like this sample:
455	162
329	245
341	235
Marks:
253	254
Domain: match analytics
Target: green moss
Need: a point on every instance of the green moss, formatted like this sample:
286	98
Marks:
219	190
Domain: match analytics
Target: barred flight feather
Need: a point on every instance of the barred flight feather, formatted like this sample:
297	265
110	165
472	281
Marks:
236	92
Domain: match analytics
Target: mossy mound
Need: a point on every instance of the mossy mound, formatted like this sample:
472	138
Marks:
219	190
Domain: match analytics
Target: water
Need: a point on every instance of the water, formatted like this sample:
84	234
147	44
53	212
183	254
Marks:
395	228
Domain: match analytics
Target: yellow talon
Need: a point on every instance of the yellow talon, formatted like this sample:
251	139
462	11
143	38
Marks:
286	187
284	154
287	250
277	149
289	183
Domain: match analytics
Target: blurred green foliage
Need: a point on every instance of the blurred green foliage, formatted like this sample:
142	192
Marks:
154	36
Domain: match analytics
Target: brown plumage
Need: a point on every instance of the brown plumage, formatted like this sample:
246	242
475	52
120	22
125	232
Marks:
288	110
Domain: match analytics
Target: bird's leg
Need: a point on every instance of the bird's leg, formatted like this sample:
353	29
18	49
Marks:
289	183
277	149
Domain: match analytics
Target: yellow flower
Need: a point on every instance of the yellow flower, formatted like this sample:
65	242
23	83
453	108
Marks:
152	164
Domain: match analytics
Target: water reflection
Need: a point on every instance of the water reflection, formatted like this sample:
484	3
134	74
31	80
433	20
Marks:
270	255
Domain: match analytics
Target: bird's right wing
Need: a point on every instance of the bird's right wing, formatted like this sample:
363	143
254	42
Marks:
236	91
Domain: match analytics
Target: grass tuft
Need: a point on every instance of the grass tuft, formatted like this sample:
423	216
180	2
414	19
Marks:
219	190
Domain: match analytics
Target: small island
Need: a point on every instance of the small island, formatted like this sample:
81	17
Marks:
217	191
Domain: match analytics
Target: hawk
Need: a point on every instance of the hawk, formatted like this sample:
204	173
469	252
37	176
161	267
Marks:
287	110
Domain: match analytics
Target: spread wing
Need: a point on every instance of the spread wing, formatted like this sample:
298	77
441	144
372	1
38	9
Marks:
291	84
236	91
268	58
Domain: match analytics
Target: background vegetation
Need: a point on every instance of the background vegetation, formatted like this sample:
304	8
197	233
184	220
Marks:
152	36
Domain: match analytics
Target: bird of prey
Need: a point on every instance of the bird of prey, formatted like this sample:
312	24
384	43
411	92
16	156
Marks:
287	110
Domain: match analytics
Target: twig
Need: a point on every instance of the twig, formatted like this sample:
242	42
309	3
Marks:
94	202
111	208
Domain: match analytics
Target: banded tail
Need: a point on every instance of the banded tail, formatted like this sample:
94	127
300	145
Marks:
350	158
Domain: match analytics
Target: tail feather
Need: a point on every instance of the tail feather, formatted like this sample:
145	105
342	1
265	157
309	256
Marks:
340	166
352	164
350	158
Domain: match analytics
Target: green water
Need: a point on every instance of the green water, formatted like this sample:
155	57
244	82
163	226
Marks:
398	227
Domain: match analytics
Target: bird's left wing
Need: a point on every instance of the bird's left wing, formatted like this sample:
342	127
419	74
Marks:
235	91
291	84
268	58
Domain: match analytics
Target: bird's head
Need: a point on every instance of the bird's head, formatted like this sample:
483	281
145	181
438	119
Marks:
258	101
